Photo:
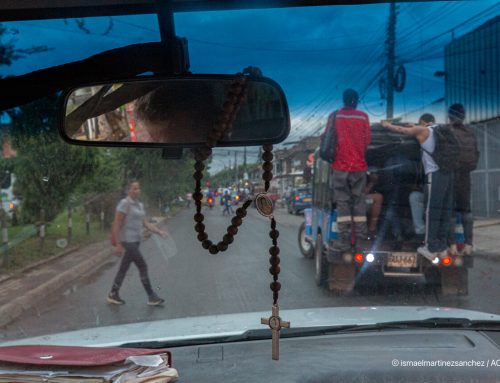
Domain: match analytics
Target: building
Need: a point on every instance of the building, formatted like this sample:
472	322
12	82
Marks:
293	166
472	68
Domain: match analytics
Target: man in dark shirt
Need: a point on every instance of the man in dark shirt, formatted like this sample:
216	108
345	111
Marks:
349	171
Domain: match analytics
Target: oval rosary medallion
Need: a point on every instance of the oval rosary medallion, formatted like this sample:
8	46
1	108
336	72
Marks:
264	204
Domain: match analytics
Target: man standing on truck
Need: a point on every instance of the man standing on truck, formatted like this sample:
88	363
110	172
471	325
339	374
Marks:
438	192
467	162
349	171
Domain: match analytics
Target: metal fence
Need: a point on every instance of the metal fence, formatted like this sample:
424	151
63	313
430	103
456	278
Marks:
486	179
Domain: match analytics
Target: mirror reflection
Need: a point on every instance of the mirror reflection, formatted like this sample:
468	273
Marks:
174	112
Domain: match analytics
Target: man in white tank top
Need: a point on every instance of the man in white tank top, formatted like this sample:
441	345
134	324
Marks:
438	188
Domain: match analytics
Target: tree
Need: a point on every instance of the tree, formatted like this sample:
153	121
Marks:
9	53
161	180
47	170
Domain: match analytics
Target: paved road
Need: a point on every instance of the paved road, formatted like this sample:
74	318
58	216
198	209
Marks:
193	282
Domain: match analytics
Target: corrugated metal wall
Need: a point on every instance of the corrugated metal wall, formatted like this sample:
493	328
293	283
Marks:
472	65
486	179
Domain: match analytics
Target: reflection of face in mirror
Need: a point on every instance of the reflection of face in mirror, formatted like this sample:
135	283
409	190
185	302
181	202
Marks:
175	114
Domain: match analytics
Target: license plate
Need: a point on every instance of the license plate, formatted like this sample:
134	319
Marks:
402	260
307	199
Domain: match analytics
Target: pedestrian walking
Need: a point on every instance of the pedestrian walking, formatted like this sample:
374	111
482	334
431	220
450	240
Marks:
227	203
469	157
439	184
349	171
126	238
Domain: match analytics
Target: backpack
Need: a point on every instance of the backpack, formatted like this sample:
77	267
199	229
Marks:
469	154
328	141
447	151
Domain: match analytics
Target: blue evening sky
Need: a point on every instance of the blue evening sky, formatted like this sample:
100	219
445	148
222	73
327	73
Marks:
313	53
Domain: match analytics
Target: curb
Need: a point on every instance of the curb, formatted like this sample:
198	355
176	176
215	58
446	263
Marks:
488	257
39	263
15	308
488	224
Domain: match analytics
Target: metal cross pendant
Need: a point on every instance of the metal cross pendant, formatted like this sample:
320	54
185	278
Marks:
275	323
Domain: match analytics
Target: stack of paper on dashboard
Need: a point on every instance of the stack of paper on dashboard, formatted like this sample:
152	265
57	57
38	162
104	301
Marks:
61	364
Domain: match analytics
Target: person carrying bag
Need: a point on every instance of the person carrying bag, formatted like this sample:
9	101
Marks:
126	237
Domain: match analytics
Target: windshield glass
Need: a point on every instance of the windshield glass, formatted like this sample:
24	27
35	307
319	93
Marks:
407	215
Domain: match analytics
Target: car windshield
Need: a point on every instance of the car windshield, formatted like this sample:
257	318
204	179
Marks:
404	218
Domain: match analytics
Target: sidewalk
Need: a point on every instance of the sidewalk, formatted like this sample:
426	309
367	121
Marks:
19	292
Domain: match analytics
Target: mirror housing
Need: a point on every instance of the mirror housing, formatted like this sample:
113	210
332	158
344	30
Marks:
172	112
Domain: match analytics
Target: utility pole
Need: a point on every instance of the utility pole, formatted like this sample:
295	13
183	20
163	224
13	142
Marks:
390	45
236	167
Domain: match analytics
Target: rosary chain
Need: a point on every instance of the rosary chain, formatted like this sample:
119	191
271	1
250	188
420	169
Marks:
223	125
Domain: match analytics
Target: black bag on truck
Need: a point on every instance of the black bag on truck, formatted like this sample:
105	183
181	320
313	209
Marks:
447	151
328	141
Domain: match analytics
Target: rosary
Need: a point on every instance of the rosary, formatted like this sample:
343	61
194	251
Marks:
263	202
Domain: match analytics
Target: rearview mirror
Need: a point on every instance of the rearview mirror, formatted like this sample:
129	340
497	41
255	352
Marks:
170	112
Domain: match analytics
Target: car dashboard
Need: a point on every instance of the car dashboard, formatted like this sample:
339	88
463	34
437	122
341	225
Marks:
387	356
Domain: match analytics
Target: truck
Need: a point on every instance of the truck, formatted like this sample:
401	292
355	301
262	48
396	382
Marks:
388	257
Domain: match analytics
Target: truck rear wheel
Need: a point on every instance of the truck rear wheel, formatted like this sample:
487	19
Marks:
321	263
306	247
454	281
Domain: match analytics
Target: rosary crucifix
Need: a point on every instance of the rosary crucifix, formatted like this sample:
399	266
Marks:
263	202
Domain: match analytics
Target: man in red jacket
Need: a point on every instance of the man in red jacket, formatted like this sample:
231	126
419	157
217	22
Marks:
349	172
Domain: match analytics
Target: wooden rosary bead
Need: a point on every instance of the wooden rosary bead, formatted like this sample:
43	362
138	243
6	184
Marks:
213	249
202	237
274	250
197	196
267	147
275	286
267	156
205	152
247	204
274	270
267	166
211	142
274	234
233	230
228	239
222	246
198	217
236	221
199	166
213	136
267	176
242	213
274	261
198	176
228	107
221	127
199	227
206	243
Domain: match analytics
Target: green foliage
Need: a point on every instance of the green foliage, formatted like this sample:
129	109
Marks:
47	169
228	177
161	180
105	174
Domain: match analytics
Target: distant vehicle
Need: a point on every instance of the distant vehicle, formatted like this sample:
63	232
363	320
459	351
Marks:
299	200
209	199
9	202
